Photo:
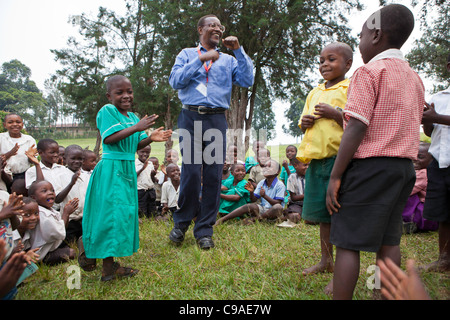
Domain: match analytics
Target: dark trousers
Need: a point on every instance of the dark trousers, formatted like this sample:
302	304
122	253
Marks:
147	202
202	144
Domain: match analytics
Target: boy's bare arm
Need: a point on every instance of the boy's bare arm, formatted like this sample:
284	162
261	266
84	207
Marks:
351	139
430	116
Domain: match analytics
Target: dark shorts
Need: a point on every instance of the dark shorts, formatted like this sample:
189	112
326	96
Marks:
437	201
372	196
316	185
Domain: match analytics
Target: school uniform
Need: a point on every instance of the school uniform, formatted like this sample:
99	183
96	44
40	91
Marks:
295	184
275	191
146	189
170	195
18	163
48	235
437	203
388	97
78	190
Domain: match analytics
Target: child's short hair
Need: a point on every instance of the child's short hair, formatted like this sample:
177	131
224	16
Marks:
33	187
27	200
73	147
11	114
87	153
113	79
397	21
234	165
44	143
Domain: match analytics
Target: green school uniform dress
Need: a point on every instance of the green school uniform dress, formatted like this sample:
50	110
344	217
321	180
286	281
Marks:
239	189
110	215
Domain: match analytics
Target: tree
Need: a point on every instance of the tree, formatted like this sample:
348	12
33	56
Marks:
18	93
293	115
430	52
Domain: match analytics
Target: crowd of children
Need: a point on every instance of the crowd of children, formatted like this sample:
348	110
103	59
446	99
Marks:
346	149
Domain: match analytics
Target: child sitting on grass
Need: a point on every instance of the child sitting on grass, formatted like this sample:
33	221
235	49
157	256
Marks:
234	193
271	192
170	191
50	232
296	189
256	172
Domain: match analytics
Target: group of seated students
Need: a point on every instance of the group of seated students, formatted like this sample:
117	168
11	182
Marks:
276	192
42	192
271	191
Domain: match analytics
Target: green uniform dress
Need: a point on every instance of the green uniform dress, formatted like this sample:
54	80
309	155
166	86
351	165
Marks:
110	215
227	206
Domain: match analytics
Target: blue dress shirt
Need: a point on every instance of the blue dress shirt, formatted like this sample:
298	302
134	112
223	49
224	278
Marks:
188	73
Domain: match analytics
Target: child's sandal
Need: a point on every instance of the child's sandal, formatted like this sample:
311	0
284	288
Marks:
119	272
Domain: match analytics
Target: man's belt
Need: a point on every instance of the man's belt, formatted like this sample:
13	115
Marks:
204	110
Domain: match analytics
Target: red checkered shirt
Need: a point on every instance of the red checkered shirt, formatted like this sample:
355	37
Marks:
387	96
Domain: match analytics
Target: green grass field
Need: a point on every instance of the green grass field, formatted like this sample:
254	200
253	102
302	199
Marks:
250	262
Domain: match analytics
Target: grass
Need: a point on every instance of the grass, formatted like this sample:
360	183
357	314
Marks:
256	262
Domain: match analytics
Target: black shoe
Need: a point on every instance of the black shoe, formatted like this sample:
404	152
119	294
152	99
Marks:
177	235
205	243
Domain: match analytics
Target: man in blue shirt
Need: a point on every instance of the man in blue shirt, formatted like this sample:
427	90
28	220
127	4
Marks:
204	77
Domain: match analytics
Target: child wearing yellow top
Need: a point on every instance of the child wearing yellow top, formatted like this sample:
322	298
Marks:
321	121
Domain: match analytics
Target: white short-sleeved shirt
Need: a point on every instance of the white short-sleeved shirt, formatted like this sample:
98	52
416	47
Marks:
18	163
78	190
49	232
144	180
169	195
440	138
50	174
296	184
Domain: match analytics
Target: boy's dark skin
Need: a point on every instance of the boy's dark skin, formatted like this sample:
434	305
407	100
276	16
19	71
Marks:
74	160
430	116
335	61
143	155
372	42
173	172
273	169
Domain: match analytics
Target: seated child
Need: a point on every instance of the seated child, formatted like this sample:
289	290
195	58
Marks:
145	185
89	161
72	185
170	190
171	157
50	232
48	150
156	176
62	150
271	192
231	158
412	215
234	194
287	167
256	172
296	189
29	220
252	161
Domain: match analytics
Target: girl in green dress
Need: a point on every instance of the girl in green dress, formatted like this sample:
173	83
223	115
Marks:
110	217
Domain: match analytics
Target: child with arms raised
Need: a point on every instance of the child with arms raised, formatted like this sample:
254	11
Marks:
110	222
373	175
50	232
321	121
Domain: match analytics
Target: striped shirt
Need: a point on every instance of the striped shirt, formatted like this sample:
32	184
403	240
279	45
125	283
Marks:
387	96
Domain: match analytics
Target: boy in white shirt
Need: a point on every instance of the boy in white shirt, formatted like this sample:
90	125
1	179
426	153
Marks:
170	190
145	184
50	232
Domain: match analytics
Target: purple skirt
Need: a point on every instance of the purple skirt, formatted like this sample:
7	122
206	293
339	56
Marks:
413	212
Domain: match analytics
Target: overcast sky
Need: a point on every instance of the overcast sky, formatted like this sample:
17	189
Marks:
30	29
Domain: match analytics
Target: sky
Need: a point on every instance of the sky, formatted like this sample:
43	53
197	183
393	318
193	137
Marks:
30	29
